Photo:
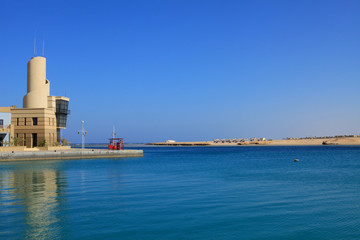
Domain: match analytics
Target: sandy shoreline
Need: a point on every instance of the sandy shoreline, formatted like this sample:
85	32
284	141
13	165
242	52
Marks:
292	142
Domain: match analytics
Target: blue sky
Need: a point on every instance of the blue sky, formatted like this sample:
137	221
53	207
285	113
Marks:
190	70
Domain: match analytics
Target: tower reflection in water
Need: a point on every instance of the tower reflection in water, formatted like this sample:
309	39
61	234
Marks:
40	193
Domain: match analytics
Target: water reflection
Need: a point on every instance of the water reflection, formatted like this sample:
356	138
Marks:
38	192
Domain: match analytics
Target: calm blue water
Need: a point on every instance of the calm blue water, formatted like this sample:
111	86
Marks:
186	193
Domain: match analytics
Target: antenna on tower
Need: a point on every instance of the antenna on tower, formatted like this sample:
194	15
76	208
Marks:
35	42
113	133
35	46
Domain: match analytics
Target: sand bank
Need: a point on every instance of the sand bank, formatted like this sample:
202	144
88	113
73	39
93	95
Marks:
292	142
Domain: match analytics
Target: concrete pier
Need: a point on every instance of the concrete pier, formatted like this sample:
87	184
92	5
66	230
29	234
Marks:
67	154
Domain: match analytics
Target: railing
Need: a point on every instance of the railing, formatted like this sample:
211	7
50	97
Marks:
5	128
63	111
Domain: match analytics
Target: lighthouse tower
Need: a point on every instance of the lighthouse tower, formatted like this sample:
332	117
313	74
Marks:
42	117
38	87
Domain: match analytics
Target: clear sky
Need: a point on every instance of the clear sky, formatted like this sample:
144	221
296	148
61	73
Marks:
190	70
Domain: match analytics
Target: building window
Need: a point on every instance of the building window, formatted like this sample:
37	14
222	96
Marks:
24	121
61	113
1	123
35	123
17	121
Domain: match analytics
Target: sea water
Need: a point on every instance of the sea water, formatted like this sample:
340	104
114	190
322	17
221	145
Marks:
186	193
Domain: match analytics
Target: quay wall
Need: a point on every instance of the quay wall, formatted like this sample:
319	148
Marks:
67	154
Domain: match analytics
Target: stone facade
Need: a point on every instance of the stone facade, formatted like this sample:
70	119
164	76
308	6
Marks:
42	115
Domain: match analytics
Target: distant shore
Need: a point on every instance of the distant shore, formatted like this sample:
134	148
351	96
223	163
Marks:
283	142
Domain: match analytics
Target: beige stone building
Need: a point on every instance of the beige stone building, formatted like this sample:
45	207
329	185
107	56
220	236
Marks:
42	116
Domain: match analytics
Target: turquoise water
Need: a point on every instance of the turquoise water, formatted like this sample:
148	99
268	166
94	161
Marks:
186	193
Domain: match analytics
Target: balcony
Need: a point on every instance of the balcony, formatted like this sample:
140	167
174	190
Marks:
63	111
5	128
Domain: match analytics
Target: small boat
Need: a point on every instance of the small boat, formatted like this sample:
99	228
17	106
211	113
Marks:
296	160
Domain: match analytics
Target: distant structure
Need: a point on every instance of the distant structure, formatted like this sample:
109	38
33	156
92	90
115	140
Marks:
83	134
170	141
238	140
42	116
5	125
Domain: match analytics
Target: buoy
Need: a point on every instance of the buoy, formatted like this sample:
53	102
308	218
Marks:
296	160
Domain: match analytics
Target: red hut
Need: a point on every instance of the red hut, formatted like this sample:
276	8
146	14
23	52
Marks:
116	144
